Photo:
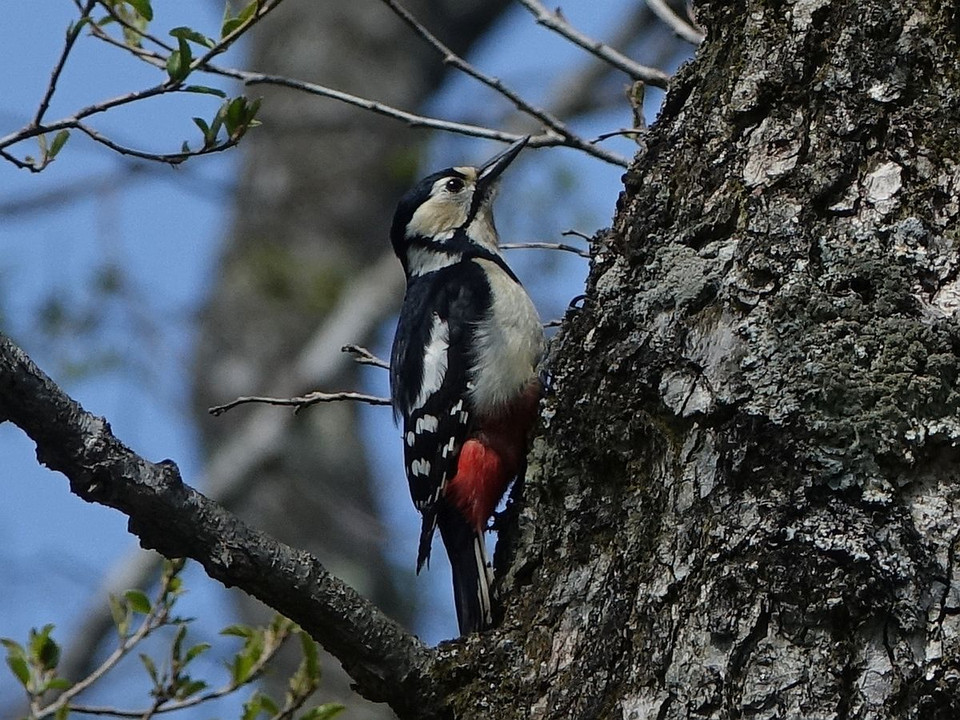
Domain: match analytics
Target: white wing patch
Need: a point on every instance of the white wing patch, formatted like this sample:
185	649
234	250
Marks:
434	362
427	423
420	467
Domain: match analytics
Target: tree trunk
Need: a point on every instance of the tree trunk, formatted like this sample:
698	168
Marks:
744	501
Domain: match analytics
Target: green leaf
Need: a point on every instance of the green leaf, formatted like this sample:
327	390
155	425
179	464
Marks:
59	684
189	687
269	704
59	140
151	668
49	654
186	33
63	712
323	712
310	656
240	668
249	11
230	24
178	643
243	631
205	90
74	28
12	646
252	707
138	600
43	650
178	64
121	615
142	7
195	651
18	664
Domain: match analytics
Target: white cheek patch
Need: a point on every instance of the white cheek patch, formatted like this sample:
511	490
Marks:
434	363
441	213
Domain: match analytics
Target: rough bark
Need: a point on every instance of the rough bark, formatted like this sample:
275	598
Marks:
745	499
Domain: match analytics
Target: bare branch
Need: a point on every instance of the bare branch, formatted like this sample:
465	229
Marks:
681	27
555	21
300	402
170	158
565	139
364	356
570	139
388	664
72	34
577	233
363	305
545	246
632	133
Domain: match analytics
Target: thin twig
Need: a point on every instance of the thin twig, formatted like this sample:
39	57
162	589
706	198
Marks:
577	233
555	21
72	34
301	402
680	26
170	85
545	246
364	356
156	619
628	132
226	41
162	706
558	134
171	158
553	123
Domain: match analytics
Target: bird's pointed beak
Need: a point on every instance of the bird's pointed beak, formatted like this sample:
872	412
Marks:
488	173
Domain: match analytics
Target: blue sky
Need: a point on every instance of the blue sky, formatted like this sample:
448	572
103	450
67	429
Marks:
164	227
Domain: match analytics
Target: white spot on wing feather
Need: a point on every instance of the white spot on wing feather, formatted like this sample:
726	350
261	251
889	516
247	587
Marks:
420	468
427	423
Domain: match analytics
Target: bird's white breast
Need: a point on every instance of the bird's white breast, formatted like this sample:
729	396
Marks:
509	343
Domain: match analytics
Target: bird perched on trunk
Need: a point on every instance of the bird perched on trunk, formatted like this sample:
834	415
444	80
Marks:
463	371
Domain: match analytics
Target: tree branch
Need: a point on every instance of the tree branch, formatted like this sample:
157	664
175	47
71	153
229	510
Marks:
388	664
556	22
552	123
300	402
680	26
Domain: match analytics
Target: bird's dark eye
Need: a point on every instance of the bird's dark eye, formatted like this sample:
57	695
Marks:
454	185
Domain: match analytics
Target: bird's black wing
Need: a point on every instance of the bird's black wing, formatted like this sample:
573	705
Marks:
429	381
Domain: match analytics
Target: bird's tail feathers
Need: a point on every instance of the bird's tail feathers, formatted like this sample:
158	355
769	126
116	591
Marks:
471	572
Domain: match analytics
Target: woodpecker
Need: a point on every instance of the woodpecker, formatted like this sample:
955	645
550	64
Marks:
463	369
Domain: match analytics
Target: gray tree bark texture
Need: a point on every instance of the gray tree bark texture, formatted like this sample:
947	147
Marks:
745	500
